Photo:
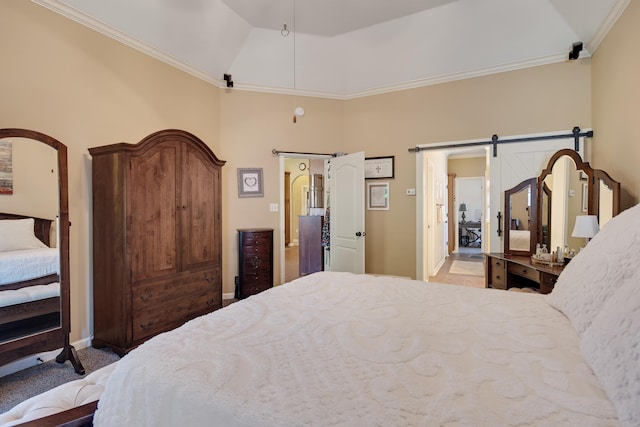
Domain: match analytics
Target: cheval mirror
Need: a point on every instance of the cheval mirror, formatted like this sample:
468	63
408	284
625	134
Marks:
34	247
570	187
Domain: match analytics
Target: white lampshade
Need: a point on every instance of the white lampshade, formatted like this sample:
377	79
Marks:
586	226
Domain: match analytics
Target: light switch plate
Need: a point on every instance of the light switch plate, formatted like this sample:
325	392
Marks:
273	207
411	191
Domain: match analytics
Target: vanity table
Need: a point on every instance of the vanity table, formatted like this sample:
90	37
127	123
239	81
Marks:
506	271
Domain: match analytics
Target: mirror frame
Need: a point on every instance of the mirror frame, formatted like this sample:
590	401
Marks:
594	176
533	216
59	337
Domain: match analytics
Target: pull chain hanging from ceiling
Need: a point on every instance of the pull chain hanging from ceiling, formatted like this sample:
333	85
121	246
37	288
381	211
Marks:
297	111
294	61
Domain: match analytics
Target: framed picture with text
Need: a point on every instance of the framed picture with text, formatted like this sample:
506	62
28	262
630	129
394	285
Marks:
379	167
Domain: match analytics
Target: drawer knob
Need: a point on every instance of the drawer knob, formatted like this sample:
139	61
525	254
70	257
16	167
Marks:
147	296
146	325
208	278
255	262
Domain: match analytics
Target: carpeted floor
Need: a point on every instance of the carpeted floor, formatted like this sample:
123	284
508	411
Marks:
29	382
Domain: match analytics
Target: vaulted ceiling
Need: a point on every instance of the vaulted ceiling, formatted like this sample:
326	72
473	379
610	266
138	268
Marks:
348	48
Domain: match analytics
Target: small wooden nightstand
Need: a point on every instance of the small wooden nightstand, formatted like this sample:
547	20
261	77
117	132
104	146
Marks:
512	271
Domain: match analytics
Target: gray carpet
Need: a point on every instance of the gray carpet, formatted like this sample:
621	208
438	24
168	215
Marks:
29	382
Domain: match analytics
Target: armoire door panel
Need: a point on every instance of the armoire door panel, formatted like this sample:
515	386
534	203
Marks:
201	198
152	230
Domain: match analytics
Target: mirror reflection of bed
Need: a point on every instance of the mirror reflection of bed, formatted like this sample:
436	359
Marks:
34	247
29	284
29	257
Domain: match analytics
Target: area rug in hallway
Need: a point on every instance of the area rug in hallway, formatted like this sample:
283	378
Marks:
467	267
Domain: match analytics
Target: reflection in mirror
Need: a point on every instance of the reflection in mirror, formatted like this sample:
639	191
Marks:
607	197
567	178
29	251
568	199
35	216
576	189
605	204
545	215
520	218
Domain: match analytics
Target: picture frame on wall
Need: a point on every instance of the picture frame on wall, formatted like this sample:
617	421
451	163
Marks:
378	196
250	182
379	167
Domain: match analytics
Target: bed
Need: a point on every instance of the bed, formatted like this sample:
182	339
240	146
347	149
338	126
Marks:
29	280
344	349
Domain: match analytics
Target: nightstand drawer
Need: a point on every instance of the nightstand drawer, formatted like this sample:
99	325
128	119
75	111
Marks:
524	271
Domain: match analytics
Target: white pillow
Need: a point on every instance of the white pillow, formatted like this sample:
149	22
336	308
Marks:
17	235
611	346
598	270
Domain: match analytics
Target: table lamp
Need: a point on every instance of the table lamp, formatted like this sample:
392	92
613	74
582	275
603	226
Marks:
586	226
463	209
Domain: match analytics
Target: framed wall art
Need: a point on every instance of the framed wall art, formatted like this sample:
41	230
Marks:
250	183
379	167
378	196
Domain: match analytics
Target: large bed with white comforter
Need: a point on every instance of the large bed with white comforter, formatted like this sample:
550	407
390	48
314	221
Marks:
344	349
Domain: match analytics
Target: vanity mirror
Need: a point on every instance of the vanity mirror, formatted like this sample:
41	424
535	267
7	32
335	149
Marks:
34	247
520	218
571	188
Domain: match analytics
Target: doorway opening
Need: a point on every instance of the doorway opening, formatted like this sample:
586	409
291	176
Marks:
462	236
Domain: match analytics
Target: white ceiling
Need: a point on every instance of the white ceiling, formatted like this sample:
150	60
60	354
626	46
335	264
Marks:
348	48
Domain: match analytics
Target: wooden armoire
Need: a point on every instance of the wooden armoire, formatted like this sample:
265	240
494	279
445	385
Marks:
157	237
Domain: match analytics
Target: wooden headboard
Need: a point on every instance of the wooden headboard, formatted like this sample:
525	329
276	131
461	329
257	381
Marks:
41	226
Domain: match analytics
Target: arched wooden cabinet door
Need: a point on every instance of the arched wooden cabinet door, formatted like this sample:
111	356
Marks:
157	236
42	324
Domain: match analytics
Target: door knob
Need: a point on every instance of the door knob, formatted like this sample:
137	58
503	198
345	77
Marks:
361	233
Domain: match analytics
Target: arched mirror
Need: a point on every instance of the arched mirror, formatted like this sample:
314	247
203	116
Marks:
574	189
520	218
34	247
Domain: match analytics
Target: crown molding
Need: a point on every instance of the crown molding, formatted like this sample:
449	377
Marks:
107	30
606	26
92	23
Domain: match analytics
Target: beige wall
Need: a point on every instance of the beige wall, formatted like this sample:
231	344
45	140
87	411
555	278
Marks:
35	180
467	167
540	99
86	90
616	104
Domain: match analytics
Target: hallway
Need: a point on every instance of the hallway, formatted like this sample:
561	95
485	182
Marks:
466	254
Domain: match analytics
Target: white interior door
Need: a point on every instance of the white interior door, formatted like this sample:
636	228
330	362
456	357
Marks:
346	201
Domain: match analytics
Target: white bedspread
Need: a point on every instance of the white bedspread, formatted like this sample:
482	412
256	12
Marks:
339	349
29	294
17	266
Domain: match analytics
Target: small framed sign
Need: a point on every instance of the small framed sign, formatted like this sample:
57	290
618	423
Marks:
378	196
379	167
250	182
